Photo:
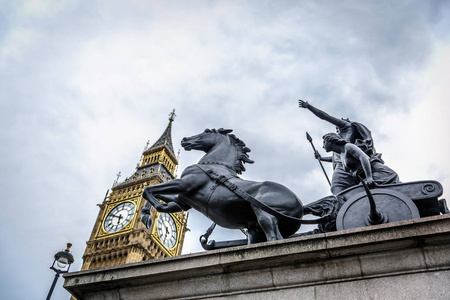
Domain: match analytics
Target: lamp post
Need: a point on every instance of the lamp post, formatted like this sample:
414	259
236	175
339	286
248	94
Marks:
63	260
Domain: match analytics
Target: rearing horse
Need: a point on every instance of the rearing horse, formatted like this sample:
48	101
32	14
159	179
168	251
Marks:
268	210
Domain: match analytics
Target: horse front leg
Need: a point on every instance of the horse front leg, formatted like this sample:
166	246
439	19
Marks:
169	192
172	202
171	206
187	183
165	192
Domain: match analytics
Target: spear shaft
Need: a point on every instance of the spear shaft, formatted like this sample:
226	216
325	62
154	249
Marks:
318	159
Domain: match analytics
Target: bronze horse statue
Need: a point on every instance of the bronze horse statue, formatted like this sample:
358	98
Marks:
268	210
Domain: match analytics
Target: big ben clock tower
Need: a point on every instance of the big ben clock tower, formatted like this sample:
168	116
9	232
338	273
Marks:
118	236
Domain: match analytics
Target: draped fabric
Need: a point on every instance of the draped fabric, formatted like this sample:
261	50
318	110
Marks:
381	173
365	142
327	206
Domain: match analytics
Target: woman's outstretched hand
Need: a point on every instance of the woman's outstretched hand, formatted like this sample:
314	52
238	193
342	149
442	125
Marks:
303	104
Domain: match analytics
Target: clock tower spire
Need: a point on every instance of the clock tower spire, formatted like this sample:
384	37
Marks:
118	236
160	157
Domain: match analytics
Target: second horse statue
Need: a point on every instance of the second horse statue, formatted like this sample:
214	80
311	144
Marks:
268	210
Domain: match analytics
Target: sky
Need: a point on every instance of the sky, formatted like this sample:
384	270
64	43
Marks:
85	84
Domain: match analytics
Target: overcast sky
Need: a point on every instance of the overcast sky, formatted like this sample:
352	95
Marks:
85	84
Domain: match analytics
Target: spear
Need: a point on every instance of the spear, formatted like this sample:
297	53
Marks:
318	158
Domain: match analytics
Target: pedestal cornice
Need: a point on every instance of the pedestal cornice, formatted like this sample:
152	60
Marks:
309	264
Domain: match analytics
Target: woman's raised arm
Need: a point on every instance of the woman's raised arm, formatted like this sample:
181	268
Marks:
321	114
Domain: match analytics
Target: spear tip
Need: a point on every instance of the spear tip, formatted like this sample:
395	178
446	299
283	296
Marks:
308	137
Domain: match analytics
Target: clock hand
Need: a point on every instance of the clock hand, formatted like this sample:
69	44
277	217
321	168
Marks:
167	230
119	217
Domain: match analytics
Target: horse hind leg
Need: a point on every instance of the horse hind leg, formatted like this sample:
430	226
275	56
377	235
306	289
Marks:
255	234
268	223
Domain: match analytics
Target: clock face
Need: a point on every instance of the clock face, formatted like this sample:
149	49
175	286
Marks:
167	230
119	217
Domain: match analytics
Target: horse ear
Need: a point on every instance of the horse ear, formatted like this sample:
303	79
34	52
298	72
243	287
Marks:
221	130
248	160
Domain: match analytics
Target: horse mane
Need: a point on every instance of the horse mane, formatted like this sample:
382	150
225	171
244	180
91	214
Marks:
242	156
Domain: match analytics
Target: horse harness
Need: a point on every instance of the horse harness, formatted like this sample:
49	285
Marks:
225	181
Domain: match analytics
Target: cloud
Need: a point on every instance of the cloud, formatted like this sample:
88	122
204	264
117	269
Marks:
85	86
420	135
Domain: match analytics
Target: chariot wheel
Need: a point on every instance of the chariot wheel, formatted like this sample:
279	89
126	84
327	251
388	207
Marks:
391	205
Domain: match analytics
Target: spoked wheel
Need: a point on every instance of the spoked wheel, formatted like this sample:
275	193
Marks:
391	206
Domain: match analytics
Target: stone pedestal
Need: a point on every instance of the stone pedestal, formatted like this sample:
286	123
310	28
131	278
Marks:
403	260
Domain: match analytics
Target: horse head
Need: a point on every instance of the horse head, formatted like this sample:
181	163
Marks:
204	141
221	147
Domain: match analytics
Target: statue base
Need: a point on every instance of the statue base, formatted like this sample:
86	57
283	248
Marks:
402	260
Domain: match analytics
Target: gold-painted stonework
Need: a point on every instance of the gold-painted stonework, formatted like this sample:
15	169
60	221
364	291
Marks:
132	242
179	220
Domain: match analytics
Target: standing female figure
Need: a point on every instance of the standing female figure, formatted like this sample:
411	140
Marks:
352	132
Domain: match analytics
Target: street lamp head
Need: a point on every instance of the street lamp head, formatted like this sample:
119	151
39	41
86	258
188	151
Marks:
63	259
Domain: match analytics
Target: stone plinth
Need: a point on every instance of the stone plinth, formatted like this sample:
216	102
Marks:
403	260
